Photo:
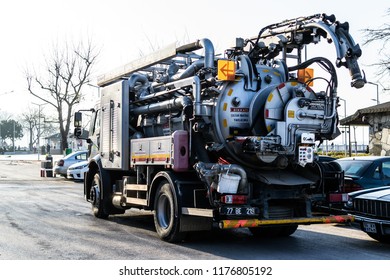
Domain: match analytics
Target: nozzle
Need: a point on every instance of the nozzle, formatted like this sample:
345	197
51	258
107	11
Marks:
358	80
358	83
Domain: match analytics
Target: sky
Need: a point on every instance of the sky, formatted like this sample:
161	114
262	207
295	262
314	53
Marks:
122	30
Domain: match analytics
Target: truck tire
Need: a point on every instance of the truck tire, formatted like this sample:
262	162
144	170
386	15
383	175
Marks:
273	231
167	214
99	204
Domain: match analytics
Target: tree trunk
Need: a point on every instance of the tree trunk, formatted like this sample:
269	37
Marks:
64	141
30	145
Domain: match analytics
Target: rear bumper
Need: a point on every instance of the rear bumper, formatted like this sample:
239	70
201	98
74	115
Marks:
371	220
225	224
60	170
382	227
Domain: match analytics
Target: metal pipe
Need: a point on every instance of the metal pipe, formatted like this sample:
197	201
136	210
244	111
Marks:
190	71
207	62
182	102
209	52
164	105
137	78
197	96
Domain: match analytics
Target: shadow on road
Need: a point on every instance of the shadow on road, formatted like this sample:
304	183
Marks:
304	244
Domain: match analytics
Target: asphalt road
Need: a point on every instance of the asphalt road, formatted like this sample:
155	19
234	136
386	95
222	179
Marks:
48	219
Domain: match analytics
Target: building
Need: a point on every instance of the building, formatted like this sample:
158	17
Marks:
377	118
54	141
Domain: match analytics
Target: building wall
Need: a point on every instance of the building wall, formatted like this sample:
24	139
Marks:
379	135
74	144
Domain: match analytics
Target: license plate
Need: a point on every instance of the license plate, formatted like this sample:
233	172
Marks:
239	211
369	227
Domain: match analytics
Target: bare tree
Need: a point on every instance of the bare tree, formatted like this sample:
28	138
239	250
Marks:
35	127
66	72
382	35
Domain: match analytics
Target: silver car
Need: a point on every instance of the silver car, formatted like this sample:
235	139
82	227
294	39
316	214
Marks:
61	166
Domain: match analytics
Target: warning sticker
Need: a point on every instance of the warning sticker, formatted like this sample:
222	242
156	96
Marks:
240	114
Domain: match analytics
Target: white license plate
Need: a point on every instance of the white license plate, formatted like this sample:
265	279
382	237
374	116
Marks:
240	211
369	227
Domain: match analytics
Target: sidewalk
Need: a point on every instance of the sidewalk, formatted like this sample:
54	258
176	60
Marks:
24	167
28	157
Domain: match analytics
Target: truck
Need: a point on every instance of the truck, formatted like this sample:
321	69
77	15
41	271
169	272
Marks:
204	140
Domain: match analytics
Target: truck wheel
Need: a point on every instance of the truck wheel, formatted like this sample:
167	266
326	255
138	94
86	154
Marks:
166	214
99	207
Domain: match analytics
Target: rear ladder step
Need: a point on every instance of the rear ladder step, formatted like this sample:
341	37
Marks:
136	187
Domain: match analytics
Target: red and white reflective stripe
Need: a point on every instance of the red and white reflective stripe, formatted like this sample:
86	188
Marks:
234	199
338	197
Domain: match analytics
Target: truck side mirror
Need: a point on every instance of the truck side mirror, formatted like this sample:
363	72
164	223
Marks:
77	132
78	117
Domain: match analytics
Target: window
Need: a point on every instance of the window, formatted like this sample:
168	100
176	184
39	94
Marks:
95	123
386	169
82	156
377	173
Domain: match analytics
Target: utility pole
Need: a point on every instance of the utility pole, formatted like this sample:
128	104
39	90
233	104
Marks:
377	91
13	137
39	126
345	127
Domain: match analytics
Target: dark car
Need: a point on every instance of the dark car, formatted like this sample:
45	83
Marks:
371	208
326	158
365	172
360	172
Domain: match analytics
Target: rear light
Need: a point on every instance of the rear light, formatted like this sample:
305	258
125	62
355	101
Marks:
351	186
60	162
234	199
338	197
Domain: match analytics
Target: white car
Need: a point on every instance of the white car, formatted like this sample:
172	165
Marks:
76	171
61	166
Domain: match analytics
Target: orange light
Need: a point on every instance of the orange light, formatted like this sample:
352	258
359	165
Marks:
306	75
226	70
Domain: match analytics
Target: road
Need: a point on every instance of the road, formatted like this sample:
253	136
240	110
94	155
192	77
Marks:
48	219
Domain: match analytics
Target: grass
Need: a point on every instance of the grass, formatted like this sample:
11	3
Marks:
341	154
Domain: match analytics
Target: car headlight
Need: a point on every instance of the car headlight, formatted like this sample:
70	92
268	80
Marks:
80	167
349	203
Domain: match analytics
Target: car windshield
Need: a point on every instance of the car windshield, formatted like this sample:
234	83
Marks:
354	167
76	155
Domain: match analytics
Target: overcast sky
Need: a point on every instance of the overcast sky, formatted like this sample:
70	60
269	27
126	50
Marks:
123	29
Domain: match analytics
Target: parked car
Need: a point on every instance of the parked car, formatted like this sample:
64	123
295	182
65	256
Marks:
76	171
326	158
371	208
61	166
365	172
360	172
